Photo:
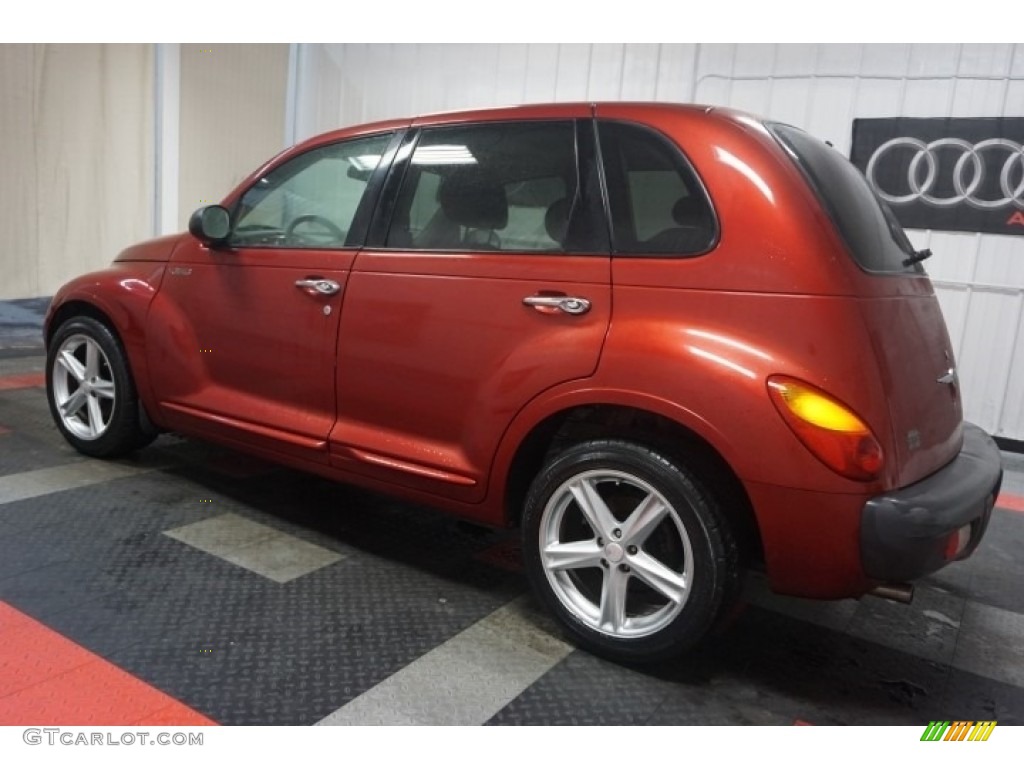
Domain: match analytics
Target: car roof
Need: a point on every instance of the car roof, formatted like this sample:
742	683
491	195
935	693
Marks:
520	112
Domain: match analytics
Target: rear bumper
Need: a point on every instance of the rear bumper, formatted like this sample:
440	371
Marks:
906	534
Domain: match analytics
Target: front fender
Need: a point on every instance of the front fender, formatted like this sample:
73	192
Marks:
122	293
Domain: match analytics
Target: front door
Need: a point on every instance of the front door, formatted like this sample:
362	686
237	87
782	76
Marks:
242	339
490	285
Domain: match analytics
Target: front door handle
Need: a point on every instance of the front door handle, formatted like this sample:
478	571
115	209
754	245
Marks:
318	285
571	305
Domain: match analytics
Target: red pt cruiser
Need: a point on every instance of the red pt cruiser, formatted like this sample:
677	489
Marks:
666	341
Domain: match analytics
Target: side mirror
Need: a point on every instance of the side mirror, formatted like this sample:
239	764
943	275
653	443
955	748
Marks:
211	224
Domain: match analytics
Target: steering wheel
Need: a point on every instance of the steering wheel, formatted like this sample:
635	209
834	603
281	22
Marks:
333	234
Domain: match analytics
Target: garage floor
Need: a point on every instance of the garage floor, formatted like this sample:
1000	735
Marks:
191	584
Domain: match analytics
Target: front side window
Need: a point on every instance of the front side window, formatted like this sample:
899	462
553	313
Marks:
658	205
310	201
495	187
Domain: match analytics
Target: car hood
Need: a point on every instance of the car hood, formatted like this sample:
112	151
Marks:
157	249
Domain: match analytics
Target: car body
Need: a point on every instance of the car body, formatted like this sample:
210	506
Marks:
669	341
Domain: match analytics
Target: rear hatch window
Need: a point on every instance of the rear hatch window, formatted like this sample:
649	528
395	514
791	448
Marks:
873	235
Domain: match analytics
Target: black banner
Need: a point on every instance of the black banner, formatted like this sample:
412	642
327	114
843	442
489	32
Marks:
964	174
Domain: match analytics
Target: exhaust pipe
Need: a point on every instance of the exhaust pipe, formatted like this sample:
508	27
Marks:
900	593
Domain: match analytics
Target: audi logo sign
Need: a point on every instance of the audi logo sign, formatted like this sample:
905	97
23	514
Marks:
958	174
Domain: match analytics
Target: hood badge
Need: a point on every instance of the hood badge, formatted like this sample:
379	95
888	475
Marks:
181	271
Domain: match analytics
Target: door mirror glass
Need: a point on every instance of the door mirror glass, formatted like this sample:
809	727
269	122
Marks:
211	224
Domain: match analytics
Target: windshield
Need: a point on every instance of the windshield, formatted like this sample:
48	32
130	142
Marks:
874	237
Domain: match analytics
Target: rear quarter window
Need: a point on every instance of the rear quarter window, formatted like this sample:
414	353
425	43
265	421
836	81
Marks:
657	203
872	234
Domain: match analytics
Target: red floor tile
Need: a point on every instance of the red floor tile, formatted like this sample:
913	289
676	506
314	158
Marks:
47	679
25	656
1010	502
23	381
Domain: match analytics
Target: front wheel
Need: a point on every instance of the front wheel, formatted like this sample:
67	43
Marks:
628	549
90	389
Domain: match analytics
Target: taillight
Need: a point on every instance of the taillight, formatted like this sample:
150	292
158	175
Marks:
829	430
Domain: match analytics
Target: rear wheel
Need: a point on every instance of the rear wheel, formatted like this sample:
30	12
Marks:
90	389
628	549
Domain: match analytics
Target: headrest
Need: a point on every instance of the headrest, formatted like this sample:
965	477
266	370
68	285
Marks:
689	212
556	220
474	199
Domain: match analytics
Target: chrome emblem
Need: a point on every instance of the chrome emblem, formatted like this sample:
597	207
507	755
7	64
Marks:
950	376
181	271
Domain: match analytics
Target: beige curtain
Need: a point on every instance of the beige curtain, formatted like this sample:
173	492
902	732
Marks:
232	117
76	123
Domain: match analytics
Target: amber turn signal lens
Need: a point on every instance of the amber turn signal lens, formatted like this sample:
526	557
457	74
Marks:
827	428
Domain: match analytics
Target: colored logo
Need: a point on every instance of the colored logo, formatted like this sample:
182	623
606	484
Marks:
961	730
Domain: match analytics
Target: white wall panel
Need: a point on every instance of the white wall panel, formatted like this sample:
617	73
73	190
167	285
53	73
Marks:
989	347
877	97
542	65
999	262
796	60
954	255
839	60
572	77
510	85
954	300
887	60
604	79
979	278
990	60
677	72
1012	420
640	72
973	97
934	61
791	99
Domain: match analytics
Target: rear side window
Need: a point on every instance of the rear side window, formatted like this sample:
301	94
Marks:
658	205
494	187
873	235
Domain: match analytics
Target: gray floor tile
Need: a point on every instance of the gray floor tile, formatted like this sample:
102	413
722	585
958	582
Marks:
991	643
222	534
259	548
927	628
465	680
282	557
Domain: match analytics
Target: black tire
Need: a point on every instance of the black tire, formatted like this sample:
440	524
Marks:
117	430
692	540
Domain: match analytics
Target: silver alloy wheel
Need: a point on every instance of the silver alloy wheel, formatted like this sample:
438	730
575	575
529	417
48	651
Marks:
616	553
83	387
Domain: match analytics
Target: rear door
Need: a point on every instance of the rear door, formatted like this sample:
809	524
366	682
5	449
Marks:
489	283
898	306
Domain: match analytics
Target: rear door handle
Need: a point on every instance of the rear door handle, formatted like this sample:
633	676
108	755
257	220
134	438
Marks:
571	305
318	285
